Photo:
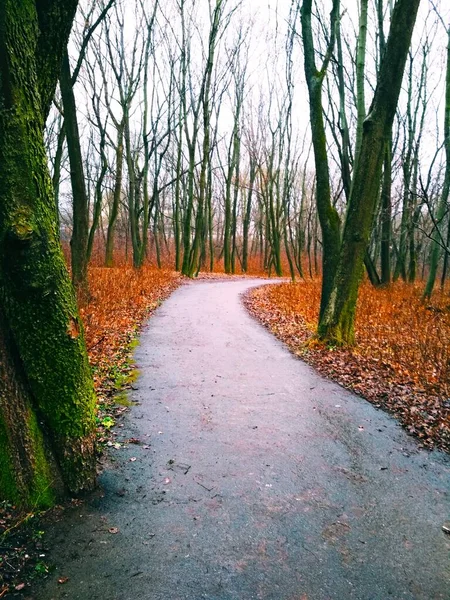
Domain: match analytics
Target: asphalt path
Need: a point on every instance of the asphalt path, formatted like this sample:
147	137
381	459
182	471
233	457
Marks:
255	478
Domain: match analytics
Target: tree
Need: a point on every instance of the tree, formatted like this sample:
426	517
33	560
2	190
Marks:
47	401
80	243
80	232
443	204
337	322
328	215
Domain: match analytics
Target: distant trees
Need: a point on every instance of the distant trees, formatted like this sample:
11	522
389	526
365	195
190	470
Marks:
197	157
47	402
203	164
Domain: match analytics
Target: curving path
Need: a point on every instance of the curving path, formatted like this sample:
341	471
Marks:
255	479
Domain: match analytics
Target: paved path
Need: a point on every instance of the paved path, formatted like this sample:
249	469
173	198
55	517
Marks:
261	480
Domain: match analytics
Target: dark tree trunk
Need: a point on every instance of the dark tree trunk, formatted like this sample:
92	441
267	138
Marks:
80	231
114	213
328	216
386	214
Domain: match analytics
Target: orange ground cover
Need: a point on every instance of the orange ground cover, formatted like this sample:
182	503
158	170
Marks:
121	299
401	361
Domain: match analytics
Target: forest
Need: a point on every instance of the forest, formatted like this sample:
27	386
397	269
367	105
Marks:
147	143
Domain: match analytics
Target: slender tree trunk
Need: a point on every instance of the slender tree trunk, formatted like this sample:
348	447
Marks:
386	211
445	265
228	213
114	212
133	192
80	232
360	75
98	196
328	216
386	186
247	216
443	203
177	212
56	179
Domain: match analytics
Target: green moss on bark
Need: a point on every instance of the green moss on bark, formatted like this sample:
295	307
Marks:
43	494
36	295
8	484
28	475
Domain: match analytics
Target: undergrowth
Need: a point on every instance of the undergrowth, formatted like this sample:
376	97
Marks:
121	299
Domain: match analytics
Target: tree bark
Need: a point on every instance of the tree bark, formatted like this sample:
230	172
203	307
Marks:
47	401
114	212
386	213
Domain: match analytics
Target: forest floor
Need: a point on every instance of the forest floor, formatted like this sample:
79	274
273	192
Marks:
241	474
401	360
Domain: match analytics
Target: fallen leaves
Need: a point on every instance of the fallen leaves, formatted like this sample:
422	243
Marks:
401	362
121	299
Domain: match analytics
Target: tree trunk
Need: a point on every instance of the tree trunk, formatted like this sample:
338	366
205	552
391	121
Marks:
436	242
109	253
328	216
98	196
47	401
337	323
80	231
386	214
247	215
360	75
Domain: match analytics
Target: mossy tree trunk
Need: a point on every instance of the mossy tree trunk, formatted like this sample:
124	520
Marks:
47	401
337	322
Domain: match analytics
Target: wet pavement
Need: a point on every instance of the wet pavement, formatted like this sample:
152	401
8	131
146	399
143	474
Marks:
255	479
